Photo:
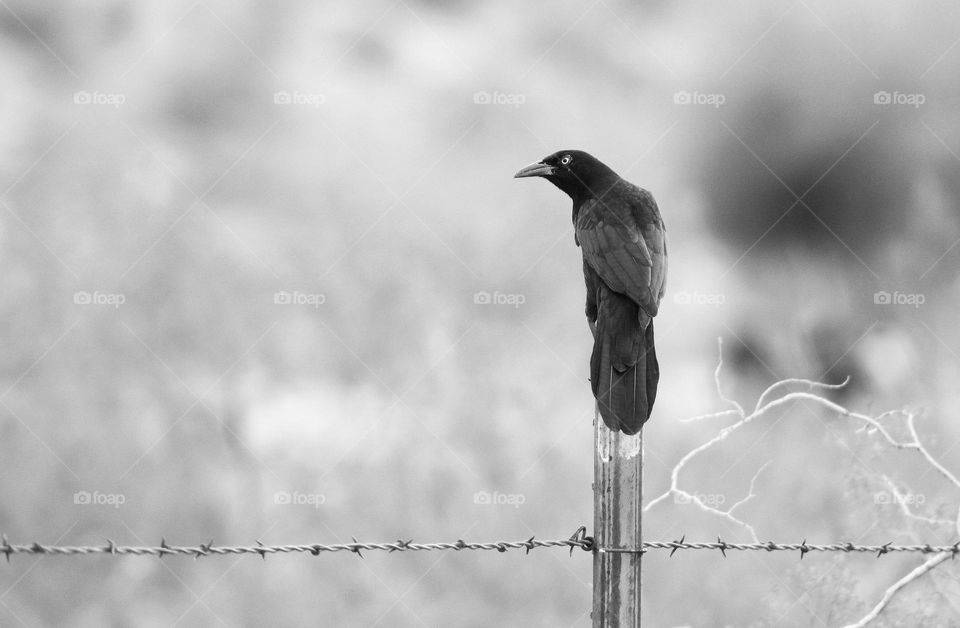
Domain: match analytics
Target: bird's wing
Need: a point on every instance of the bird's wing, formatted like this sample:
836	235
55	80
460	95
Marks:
623	240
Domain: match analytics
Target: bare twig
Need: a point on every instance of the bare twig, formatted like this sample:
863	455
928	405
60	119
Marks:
926	454
712	415
896	587
750	493
766	403
793	380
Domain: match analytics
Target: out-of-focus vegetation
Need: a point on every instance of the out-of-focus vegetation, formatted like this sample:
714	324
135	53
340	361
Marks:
338	153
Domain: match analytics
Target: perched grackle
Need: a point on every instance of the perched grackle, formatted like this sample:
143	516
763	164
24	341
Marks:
619	229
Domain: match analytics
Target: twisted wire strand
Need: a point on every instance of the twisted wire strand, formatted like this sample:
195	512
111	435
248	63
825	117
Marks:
803	548
579	539
209	549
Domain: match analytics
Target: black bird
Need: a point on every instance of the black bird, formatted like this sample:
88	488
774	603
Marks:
619	229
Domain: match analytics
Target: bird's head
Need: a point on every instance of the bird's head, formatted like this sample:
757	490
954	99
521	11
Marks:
577	173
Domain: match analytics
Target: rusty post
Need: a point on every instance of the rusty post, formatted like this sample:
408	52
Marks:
617	511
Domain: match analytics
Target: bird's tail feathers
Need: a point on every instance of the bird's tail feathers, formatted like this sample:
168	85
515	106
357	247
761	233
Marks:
624	371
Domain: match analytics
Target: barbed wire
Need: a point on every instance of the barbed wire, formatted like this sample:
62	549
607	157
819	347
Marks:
579	539
803	547
357	547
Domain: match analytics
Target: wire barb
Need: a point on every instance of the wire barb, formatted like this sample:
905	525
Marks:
578	537
203	550
883	549
677	545
401	545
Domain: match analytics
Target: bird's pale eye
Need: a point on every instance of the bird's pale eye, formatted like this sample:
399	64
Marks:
566	159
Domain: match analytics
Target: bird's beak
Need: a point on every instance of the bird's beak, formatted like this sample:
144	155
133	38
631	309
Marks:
538	169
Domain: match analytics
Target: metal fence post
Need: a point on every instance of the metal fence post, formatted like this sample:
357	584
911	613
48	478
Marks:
617	511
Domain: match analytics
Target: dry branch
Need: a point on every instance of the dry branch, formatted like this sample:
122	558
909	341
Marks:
766	403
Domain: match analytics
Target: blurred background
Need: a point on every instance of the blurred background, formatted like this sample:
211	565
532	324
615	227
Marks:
266	276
